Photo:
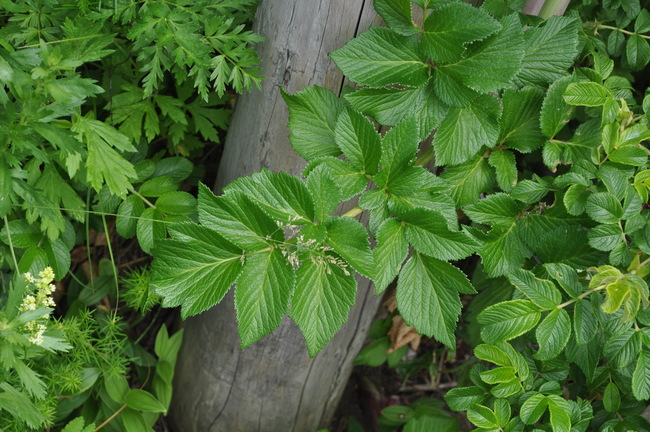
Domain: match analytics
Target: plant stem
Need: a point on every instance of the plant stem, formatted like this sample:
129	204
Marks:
425	157
580	297
136	193
11	244
353	212
598	26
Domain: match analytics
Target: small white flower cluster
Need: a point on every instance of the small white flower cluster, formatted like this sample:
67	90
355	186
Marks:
42	297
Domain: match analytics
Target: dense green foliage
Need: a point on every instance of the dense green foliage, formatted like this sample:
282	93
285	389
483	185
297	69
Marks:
515	149
103	105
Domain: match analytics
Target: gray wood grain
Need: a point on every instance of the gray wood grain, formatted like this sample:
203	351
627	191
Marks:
273	385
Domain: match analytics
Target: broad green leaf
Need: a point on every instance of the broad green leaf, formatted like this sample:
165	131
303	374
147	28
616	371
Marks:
603	64
503	162
587	356
178	202
133	420
449	28
541	292
555	111
324	190
611	398
507	320
398	15
359	141
158	186
449	88
506	389
127	216
116	386
629	155
426	423
495	209
262	294
398	148
440	202
73	90
321	301
282	196
77	425
482	417
195	268
503	411
349	239
603	207
489	65
427	297
428	233
533	408
464	131
616	294
642	22
585	322
58	257
622	349
641	377
492	354
529	191
520	120
142	400
553	334
605	237
313	113
637	52
150	228
586	94
30	380
498	375
381	57
575	199
560	412
463	398
503	251
19	405
349	181
469	180
550	50
177	168
390	253
238	219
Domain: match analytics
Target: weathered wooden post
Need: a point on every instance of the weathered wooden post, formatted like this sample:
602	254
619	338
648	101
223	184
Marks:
273	386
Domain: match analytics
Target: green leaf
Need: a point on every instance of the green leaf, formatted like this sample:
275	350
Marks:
349	239
237	218
313	113
553	334
398	149
262	295
282	196
629	155
611	398
20	406
104	164
495	209
464	131
507	320
533	408
492	354
503	162
463	398
150	228
380	57
398	15
390	253
555	111
321	301
427	297
498	375
349	181
177	168
324	190
641	377
490	65
178	202
133	420
142	400
603	207
637	52
195	268
503	251
621	349
560	412
77	425
359	141
575	199
58	257
520	120
127	216
541	292
585	322
428	233
158	186
587	94
605	237
482	417
469	180
550	50
116	386
449	28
